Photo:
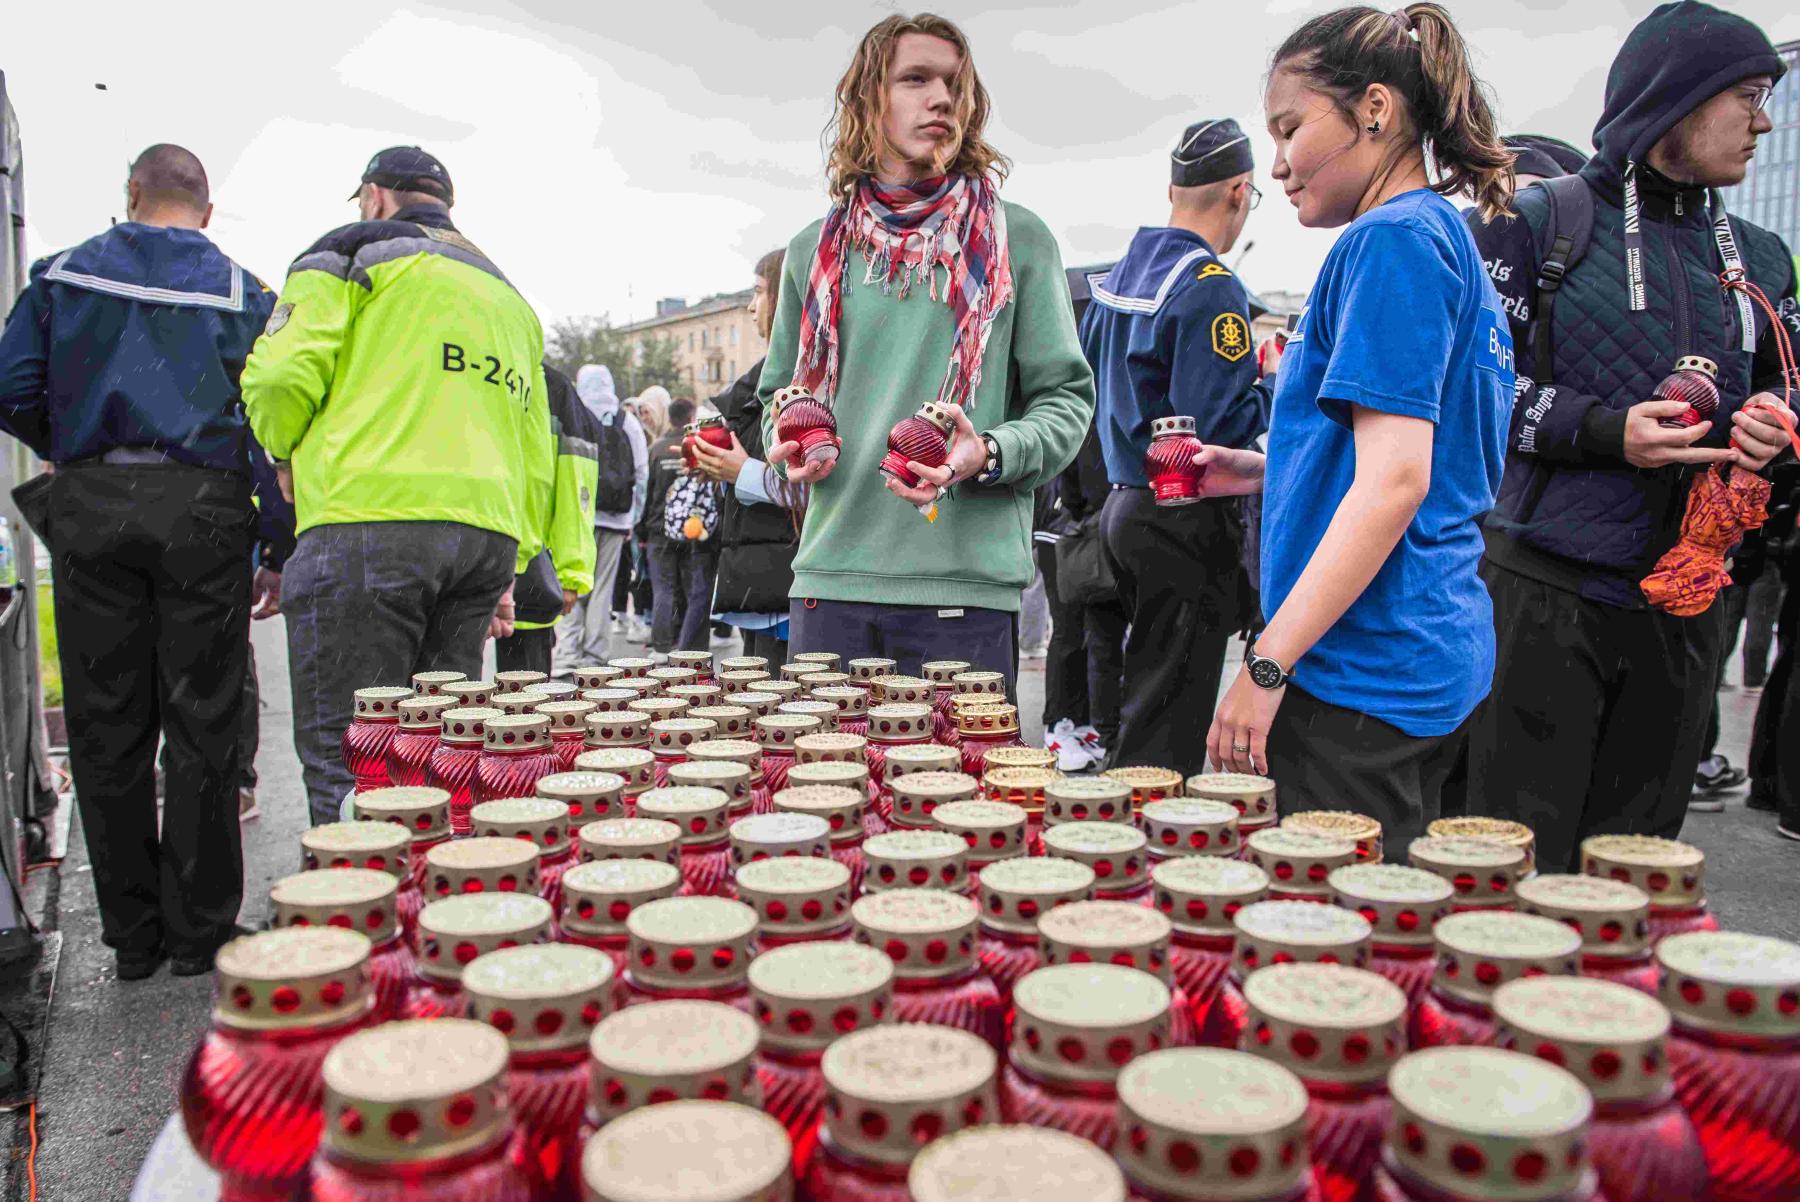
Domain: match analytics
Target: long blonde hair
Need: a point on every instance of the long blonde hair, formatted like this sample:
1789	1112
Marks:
653	412
857	140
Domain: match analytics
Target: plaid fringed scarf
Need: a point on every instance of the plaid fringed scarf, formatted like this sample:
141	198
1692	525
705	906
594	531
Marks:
954	224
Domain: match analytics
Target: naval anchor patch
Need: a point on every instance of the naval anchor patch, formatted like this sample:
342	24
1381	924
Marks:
1230	337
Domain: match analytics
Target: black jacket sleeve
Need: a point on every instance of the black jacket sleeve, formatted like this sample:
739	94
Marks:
1765	370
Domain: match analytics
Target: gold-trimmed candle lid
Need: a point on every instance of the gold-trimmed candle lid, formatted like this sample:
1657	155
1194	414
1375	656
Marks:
980	683
987	721
927	933
1252	796
943	672
483	864
1148	783
1202	895
796	896
1106	932
380	703
807	994
1360	829
993	830
525	701
423	713
542	821
691	942
1482	871
869	668
1081	798
830	745
618	728
424	811
915	859
589	795
1480	1122
917	795
597	897
851	701
733	721
595	676
1612	917
833	774
630	839
517	732
1298	861
730	778
1211	1123
673	736
769	836
1085	1022
1481	950
841	808
1501	830
609	700
1022	787
455	930
475	694
1326	1022
895	689
1610	1036
635	765
828	660
1014	1164
699	1151
1299	932
660	1052
894	1088
465	724
292	977
431	684
1019	757
382	846
1190	826
699	812
542	998
1732	981
777	731
1118	854
904	759
413	1091
1403	904
899	723
518	681
1671	872
1016	893
659	708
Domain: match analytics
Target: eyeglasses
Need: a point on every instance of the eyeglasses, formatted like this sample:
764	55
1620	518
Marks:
1758	97
1255	196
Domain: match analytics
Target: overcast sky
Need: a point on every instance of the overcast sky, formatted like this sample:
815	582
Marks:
606	154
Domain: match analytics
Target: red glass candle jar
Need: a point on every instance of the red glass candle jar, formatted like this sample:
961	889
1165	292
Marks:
1123	933
590	796
597	898
452	766
470	694
889	762
670	739
353	899
700	813
929	934
1735	1052
1253	797
1023	787
454	931
804	996
1169	461
1074	1027
877	1120
546	1001
1118	854
423	812
993	830
568	729
634	765
1478	952
252	1096
481	864
1360	829
541	822
1461	1134
923	438
908	859
1282	932
690	947
1672	873
1201	897
1614	1039
1298	862
1189	826
980	729
709	430
431	684
842	810
743	752
380	846
365	741
916	797
1500	830
1339	1030
942	675
419	1111
1403	905
1482	871
1078	799
775	734
1612	918
664	1052
804	420
1013	1164
629	839
1202	1124
595	676
690	1150
1695	383
796	899
419	730
1014	895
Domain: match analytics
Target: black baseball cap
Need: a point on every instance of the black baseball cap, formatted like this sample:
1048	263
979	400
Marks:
408	168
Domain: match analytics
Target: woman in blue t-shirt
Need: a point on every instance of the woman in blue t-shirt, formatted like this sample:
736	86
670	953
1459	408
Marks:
1386	439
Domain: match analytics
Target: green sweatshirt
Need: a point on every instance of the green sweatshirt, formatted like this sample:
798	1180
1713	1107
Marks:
862	543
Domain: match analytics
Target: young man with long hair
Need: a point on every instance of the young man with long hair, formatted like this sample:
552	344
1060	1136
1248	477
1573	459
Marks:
921	285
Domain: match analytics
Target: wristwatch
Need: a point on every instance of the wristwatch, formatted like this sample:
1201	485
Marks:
1265	673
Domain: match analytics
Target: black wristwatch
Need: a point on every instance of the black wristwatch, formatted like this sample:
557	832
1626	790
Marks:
1265	673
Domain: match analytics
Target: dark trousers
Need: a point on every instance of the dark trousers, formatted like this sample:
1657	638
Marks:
1180	580
908	634
525	651
1065	664
370	603
1106	626
1762	608
1775	736
1325	757
152	576
765	644
681	609
1596	717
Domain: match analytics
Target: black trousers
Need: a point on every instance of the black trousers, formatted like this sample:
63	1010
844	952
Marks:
1065	664
1596	718
910	634
525	650
765	644
1180	580
682	608
152	574
1775	737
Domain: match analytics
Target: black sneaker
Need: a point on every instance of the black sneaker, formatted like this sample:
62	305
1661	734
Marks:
135	966
1760	801
1788	832
196	965
1717	774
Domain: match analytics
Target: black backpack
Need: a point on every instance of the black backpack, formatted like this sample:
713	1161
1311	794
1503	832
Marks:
1560	244
618	475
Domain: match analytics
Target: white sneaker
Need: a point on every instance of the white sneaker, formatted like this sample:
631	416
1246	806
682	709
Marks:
637	631
1071	756
659	658
618	624
1090	739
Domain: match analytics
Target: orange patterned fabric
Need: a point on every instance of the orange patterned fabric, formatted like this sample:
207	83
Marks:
1720	508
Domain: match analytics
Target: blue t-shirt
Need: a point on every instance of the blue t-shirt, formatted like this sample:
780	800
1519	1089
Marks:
1404	320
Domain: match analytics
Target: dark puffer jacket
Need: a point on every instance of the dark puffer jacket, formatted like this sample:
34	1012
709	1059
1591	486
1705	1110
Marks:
757	542
1571	511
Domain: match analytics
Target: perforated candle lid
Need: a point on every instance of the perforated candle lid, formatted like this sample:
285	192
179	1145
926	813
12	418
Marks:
1014	1164
732	721
1612	917
413	1091
979	681
868	668
541	998
595	676
899	723
661	1051
423	811
636	765
1252	796
597	897
894	689
730	751
1733	982
927	933
674	673
671	737
1500	830
917	795
1326	1022
617	728
567	718
1210	1123
993	830
1081	798
382	846
830	745
838	774
824	678
1148	783
765	836
689	1152
915	859
905	759
807	994
1487	1123
543	821
750	694
633	664
806	707
658	708
1084	1022
455	930
630	839
1020	757
740	663
690	942
525	702
1202	895
1609	1035
699	812
1672	873
1482	871
900	1085
841	808
609	700
302	976
796	896
380	703
1284	932
731	779
1360	829
851	702
483	864
1483	949
589	795
1106	932
472	693
1401	903
699	662
518	681
1299	861
987	721
1118	854
423	713
943	672
1190	826
1016	893
431	684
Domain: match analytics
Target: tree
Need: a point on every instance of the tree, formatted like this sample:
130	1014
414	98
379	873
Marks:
637	363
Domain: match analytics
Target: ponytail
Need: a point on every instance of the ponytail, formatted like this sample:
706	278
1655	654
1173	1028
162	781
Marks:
1419	54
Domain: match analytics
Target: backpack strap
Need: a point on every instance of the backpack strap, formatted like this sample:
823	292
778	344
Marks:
1561	244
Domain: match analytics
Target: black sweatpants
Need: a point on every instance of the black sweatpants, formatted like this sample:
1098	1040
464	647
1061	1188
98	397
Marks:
1775	736
152	576
1596	717
1065	664
1180	580
909	634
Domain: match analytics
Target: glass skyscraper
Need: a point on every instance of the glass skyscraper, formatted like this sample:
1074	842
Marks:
1770	194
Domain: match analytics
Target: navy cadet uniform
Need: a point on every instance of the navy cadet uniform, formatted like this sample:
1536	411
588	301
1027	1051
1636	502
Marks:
1168	334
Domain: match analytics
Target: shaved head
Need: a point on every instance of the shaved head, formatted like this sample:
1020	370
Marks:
167	175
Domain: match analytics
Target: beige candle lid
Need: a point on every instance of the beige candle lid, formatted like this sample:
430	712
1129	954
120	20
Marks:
589	795
698	661
542	821
993	830
1014	1164
1482	871
1501	830
597	897
474	693
1190	826
1612	917
840	807
609	699
1304	932
1299	861
424	713
513	705
806	707
905	759
1020	757
754	698
841	774
1610	1036
1252	796
980	681
1082	798
431	684
740	663
869	667
777	732
630	839
635	664
691	942
1084	1022
673	736
292	977
1106	932
1016	893
731	779
454	931
382	846
1402	904
1672	873
1148	783
617	728
807	994
733	751
915	859
894	689
796	896
1483	949
1201	895
422	810
658	1052
917	795
483	864
987	721
943	672
766	836
541	998
635	765
851	701
1326	1022
699	812
689	1152
733	721
829	745
1732	981
823	678
897	1087
518	681
1119	854
659	708
927	933
675	673
1360	829
413	1091
595	676
380	703
899	723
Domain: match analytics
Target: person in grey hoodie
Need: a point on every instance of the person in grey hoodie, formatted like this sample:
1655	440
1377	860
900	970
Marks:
584	635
